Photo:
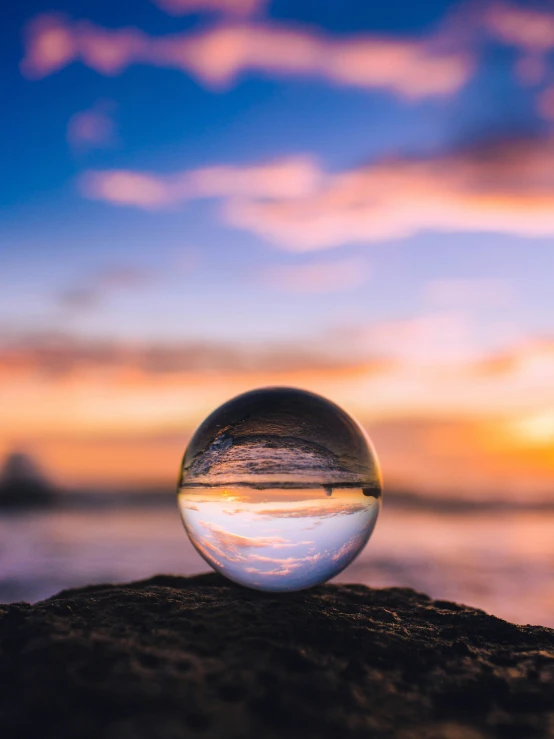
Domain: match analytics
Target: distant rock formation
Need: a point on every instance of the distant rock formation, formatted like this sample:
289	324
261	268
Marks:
22	485
173	658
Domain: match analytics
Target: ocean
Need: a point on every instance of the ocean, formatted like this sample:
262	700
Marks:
499	560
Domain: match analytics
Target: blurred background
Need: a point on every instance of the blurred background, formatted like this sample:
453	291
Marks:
200	197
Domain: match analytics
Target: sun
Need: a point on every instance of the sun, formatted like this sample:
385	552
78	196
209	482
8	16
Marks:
537	429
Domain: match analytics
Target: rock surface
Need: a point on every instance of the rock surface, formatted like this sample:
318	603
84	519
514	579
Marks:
178	657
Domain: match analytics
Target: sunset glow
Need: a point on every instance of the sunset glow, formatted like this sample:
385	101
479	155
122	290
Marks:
218	195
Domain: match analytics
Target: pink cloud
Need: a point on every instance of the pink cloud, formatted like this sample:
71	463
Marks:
530	29
109	52
411	68
283	567
52	42
320	277
350	548
50	45
229	7
91	128
288	178
122	187
293	177
505	186
226	547
234	542
281	571
58	355
531	360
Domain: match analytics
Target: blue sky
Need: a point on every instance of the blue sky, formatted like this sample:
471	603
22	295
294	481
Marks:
139	207
164	121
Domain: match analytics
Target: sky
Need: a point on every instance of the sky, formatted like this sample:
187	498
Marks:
278	539
201	197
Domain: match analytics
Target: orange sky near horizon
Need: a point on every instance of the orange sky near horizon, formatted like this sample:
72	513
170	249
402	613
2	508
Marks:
447	425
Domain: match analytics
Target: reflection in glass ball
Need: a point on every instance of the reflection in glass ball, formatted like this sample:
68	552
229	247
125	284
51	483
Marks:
279	489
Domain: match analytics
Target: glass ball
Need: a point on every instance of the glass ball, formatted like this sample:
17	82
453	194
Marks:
279	489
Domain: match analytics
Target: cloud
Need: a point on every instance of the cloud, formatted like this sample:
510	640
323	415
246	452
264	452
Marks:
409	67
61	355
49	46
326	509
350	548
530	361
92	128
228	7
527	28
284	569
230	548
126	188
52	42
503	186
235	543
318	277
293	177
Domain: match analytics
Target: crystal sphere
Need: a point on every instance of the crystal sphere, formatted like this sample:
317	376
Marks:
279	489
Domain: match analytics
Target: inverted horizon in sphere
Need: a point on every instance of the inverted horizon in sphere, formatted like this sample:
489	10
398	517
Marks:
280	489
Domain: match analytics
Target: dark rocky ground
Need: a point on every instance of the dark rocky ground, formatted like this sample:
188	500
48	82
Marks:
175	657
